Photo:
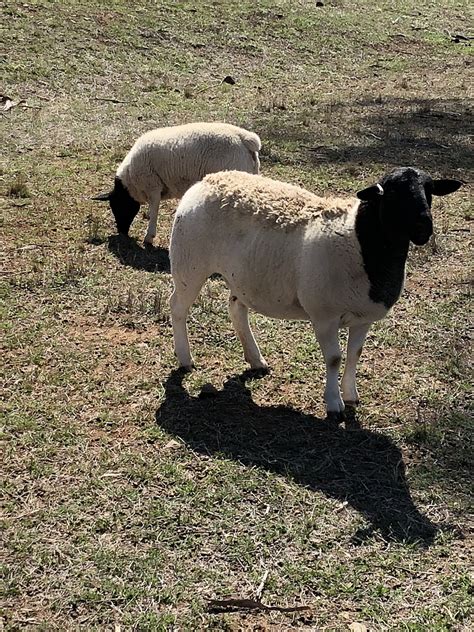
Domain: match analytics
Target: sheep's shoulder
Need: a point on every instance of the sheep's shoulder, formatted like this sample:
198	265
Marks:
273	202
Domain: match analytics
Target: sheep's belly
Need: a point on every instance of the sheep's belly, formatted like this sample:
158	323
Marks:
283	312
280	305
277	307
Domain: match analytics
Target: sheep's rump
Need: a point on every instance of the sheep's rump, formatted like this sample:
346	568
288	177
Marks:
271	201
249	139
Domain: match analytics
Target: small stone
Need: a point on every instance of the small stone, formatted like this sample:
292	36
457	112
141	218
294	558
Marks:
172	445
228	79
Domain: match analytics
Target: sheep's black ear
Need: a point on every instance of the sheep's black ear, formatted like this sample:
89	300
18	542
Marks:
444	187
103	197
371	193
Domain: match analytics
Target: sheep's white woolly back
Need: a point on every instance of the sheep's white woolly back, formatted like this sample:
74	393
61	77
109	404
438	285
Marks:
178	133
272	201
171	159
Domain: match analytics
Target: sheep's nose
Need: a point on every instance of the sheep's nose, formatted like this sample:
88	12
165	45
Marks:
426	223
422	231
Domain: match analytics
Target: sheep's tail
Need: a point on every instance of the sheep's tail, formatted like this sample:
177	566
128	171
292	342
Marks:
251	140
253	143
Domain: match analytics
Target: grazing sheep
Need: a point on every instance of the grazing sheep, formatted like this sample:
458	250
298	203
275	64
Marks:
165	162
287	253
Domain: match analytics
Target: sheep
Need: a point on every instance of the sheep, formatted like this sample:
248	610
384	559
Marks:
287	253
165	162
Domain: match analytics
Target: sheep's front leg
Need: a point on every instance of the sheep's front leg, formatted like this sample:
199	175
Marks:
153	206
239	314
355	343
328	338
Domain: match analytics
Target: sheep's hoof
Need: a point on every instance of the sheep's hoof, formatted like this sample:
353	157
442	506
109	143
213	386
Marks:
259	371
335	416
187	368
148	241
351	403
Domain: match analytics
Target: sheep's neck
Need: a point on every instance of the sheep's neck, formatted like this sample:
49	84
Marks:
384	258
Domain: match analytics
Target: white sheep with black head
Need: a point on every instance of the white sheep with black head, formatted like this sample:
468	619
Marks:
165	162
287	253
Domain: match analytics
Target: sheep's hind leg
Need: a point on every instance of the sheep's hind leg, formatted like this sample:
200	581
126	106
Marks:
154	205
239	314
180	303
355	343
328	337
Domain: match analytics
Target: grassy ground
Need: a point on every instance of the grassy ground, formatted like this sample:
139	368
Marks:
134	497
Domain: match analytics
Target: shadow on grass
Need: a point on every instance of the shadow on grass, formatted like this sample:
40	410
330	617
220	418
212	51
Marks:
130	253
361	467
445	438
432	134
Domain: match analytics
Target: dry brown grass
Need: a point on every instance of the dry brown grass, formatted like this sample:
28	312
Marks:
134	496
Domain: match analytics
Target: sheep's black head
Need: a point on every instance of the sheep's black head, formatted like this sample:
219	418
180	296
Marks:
403	198
123	206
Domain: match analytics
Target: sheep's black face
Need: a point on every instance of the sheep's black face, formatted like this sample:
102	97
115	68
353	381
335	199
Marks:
405	206
404	200
123	206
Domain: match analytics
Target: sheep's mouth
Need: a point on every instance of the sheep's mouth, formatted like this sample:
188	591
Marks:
123	224
421	231
421	237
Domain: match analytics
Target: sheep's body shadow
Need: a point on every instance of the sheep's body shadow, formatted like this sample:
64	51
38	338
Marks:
130	253
351	464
